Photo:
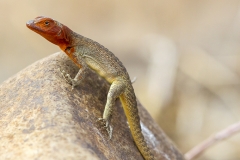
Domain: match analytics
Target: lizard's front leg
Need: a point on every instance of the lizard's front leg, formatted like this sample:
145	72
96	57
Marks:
77	79
79	76
115	91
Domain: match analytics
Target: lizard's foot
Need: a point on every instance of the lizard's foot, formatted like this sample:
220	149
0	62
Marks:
68	79
108	128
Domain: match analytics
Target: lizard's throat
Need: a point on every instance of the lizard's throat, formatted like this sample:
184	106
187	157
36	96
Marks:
62	43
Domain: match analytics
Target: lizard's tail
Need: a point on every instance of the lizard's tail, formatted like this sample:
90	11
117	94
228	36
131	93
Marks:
129	103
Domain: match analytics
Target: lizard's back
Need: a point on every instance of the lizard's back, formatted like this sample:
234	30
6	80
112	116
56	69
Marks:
103	61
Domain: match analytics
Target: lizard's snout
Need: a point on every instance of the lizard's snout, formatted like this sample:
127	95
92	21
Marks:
29	23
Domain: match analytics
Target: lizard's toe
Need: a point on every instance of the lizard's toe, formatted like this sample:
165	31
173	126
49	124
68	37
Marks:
106	126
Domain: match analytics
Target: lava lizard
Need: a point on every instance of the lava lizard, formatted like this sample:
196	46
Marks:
85	53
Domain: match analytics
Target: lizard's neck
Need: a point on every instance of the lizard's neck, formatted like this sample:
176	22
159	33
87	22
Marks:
71	39
69	46
67	38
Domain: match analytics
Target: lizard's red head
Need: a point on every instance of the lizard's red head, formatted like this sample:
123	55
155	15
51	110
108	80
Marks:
50	29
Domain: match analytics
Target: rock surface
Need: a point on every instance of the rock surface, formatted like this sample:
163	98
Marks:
42	118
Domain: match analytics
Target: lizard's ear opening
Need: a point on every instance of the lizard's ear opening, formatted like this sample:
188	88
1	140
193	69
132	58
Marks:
65	34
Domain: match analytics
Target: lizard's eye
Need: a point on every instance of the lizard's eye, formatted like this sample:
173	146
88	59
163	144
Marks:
46	23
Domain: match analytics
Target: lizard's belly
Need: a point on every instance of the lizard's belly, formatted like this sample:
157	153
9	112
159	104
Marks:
101	69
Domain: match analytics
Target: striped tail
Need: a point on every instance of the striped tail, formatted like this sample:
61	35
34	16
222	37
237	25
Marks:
129	103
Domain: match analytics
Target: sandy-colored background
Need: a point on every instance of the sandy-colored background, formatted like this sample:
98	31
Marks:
185	55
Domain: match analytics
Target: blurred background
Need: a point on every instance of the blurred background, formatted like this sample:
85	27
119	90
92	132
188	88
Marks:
184	53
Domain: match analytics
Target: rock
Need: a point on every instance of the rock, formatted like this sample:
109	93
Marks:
42	118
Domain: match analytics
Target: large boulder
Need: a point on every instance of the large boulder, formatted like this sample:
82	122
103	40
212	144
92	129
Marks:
41	117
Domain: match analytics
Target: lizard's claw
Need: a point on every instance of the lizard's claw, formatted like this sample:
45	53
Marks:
65	76
68	79
73	82
106	126
109	130
102	121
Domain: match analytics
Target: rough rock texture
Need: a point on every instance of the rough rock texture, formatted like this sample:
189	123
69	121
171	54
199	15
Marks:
42	118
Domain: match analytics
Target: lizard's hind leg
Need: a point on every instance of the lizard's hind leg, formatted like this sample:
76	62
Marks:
116	89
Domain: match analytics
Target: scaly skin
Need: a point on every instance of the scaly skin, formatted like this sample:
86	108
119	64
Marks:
87	53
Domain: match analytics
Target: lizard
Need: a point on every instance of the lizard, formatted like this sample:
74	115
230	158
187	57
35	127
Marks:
86	53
